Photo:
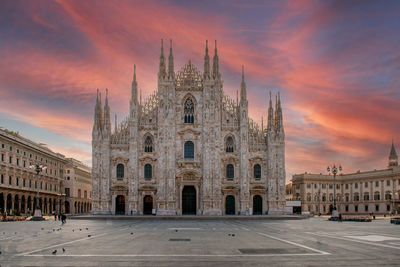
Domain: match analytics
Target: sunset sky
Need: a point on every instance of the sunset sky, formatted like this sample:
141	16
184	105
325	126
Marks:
335	63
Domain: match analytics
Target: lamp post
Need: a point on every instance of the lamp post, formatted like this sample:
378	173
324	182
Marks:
37	216
334	171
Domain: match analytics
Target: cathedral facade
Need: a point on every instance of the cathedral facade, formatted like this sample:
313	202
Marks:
188	149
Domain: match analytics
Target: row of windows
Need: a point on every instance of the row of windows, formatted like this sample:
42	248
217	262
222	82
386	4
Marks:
17	162
27	183
356	197
148	171
30	155
356	208
388	183
148	145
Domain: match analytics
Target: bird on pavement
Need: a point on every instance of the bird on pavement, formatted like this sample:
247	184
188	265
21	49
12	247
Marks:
63	250
54	252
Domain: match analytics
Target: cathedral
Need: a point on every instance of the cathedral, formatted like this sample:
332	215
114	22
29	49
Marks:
188	149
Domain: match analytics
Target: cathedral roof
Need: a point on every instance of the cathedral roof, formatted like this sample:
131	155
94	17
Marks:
189	77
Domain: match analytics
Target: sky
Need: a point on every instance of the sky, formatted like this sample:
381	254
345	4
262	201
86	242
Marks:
336	65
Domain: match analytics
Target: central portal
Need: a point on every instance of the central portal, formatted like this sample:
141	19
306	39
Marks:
189	200
120	205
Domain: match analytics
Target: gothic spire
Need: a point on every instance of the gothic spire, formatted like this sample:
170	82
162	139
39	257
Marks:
279	117
107	115
206	63
393	156
97	113
134	86
215	63
162	71
270	125
243	91
171	73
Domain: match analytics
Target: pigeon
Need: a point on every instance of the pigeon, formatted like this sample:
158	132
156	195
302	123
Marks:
87	228
0	252
54	252
80	229
89	235
72	230
42	228
233	234
176	230
63	250
53	230
229	234
131	233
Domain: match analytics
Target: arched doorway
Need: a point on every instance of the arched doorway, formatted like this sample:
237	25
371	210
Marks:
147	205
230	205
23	204
189	200
9	203
67	208
16	205
257	205
120	204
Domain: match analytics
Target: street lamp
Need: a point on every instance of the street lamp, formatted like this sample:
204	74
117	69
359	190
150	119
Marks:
334	171
37	216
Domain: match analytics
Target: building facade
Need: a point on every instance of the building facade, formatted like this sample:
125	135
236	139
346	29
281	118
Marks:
367	192
78	187
188	149
20	185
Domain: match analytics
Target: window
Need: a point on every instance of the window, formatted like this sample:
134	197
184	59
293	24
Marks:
10	160
356	208
387	207
330	197
9	180
347	198
315	186
230	171
148	171
23	182
51	187
67	192
120	170
377	183
148	144
30	183
41	185
79	193
366	184
189	111
24	163
35	184
388	196
376	207
308	185
388	182
257	171
17	150
366	207
366	196
10	148
356	185
347	208
323	198
2	145
229	144
189	150
323	186
330	186
2	179
356	198
377	196
347	186
338	186
309	198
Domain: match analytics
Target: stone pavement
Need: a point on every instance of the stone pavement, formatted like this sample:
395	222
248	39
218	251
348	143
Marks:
309	242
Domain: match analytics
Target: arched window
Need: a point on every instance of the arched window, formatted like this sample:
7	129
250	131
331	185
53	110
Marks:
148	144
257	171
189	150
229	144
188	111
120	170
230	171
377	196
148	171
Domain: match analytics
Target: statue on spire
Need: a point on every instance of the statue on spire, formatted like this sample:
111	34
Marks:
216	74
171	73
206	63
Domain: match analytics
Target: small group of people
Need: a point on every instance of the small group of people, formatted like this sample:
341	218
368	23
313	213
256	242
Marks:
61	217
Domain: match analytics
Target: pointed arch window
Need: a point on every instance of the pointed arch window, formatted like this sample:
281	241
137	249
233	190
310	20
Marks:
120	170
189	150
257	171
148	144
229	144
188	111
148	171
230	171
